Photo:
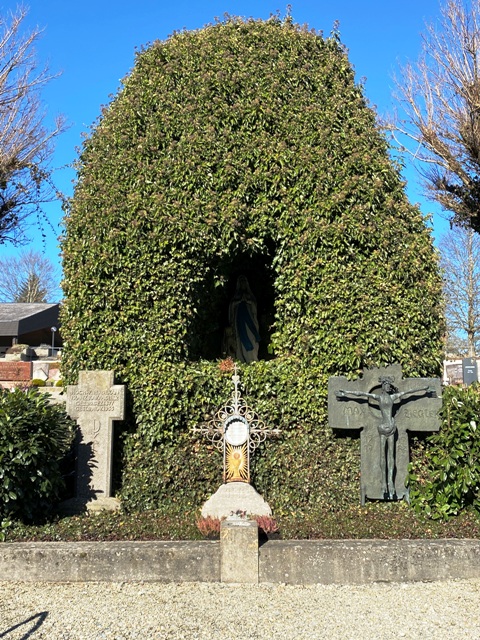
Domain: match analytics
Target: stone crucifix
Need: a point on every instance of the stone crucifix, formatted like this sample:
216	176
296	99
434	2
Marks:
95	402
384	407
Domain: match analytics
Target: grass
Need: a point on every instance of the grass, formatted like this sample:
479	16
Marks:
374	520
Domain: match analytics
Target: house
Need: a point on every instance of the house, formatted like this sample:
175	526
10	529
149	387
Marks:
28	323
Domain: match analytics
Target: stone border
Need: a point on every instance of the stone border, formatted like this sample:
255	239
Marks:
367	561
279	561
184	561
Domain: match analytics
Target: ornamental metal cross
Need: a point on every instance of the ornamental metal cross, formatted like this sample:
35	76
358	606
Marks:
236	430
384	407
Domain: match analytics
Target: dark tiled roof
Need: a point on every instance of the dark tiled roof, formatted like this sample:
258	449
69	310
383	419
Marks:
15	311
24	317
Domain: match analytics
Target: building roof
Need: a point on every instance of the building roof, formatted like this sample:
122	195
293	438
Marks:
18	318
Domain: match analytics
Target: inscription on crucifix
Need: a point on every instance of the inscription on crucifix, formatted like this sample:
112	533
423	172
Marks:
384	407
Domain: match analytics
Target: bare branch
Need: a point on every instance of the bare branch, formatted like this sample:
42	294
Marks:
440	99
460	262
25	142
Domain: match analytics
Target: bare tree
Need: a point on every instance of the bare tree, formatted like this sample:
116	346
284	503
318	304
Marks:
25	141
440	97
28	277
460	262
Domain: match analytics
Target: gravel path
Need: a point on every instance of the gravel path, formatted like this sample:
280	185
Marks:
121	611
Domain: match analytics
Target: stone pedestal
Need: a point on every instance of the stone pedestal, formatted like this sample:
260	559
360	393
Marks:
76	506
233	497
239	551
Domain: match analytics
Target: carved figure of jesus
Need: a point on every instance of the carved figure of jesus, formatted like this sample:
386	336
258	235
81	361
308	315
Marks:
387	427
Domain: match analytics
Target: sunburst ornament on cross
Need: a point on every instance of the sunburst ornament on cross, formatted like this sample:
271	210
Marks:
237	431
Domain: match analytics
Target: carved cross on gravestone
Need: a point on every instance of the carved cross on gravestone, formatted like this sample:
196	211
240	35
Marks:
384	407
94	403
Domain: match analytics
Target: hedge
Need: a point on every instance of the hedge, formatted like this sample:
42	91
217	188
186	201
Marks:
34	437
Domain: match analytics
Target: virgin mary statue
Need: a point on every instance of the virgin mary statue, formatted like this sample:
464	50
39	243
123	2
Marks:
244	323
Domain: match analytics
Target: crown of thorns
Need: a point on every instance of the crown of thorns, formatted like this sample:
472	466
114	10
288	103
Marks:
389	379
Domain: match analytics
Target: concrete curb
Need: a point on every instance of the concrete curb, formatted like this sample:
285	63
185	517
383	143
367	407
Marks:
279	561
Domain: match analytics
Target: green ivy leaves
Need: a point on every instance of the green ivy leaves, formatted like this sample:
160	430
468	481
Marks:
246	143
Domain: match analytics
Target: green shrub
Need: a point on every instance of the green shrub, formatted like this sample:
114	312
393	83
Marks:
37	382
245	147
444	475
34	435
393	520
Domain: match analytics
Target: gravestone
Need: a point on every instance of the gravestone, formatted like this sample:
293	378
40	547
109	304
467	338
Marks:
470	373
95	402
413	406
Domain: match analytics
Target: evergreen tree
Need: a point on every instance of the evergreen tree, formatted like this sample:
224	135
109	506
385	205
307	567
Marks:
31	290
28	277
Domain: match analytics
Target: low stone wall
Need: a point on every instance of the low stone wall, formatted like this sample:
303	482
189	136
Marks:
366	561
183	561
15	371
289	561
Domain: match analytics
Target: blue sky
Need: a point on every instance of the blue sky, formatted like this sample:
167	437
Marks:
92	44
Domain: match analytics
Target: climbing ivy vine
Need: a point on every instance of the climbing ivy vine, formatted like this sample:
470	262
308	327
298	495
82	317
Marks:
245	145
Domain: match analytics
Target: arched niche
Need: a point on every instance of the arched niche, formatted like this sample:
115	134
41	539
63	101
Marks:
214	298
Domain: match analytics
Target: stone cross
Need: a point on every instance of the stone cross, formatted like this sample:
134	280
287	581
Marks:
94	403
413	405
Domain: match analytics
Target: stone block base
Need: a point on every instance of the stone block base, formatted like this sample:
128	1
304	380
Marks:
76	506
239	551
